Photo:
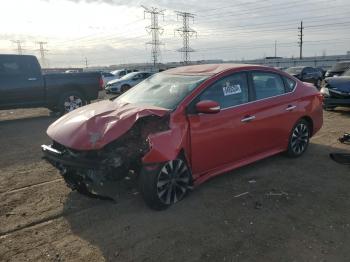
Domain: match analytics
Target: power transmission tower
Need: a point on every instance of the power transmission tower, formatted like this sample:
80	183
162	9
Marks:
301	28
19	46
42	51
155	30
186	32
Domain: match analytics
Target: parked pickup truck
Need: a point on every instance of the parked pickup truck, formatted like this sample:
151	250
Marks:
23	85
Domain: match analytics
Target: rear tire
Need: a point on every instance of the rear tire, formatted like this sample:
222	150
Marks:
299	139
70	101
166	185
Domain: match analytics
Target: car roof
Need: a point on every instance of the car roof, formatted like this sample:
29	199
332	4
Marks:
299	66
211	69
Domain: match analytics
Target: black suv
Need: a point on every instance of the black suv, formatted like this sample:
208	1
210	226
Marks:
307	74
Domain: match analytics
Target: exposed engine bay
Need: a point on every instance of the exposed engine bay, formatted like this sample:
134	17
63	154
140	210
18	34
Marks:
90	172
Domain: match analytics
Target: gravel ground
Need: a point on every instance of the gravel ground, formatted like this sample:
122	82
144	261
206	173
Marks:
295	209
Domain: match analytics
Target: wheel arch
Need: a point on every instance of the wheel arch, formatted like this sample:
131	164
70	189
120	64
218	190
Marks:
309	120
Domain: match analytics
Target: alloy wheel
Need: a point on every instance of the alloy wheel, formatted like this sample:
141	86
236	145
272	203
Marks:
72	102
300	138
173	181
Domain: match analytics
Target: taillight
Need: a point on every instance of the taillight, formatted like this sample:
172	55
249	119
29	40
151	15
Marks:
101	83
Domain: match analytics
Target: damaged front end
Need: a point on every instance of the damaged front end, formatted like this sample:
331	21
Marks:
94	171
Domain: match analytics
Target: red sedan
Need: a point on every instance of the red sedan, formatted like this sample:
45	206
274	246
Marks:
183	126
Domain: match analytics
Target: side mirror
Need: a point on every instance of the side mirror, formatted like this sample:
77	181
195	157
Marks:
208	107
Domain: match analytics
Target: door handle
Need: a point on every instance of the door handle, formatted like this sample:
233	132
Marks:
247	118
32	78
290	108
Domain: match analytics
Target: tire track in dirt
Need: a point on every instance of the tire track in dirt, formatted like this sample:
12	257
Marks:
30	186
48	220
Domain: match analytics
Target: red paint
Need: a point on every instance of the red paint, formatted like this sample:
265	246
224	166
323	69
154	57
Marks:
211	143
94	126
208	107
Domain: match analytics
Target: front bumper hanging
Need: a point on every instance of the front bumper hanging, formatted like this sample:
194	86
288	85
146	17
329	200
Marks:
58	158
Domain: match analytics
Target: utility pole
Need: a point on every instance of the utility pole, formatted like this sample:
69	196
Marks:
42	51
155	30
275	48
186	32
301	28
19	46
86	62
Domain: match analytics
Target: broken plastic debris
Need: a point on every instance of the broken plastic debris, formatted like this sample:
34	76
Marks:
242	194
277	194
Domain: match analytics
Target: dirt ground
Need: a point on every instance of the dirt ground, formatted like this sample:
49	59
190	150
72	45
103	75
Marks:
296	209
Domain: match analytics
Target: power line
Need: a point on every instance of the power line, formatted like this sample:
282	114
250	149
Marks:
301	28
42	51
19	46
186	32
154	29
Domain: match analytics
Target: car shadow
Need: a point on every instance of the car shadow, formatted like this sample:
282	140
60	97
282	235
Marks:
257	210
342	110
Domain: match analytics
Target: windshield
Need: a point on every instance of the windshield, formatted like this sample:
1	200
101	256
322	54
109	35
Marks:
347	73
294	70
340	67
162	90
129	76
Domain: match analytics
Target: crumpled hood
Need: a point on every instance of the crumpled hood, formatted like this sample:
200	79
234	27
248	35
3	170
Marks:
93	126
341	83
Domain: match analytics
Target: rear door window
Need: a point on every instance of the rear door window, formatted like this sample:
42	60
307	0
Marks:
267	85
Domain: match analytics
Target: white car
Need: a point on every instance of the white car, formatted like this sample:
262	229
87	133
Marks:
121	85
116	74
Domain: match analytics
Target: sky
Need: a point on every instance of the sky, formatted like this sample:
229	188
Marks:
105	32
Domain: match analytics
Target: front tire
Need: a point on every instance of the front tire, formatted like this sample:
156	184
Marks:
166	185
125	88
299	138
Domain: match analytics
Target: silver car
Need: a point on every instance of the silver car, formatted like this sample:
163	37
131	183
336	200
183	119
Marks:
121	85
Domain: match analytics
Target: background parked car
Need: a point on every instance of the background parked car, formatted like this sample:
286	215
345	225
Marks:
106	77
336	91
338	69
126	82
116	74
306	74
322	71
122	72
22	84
